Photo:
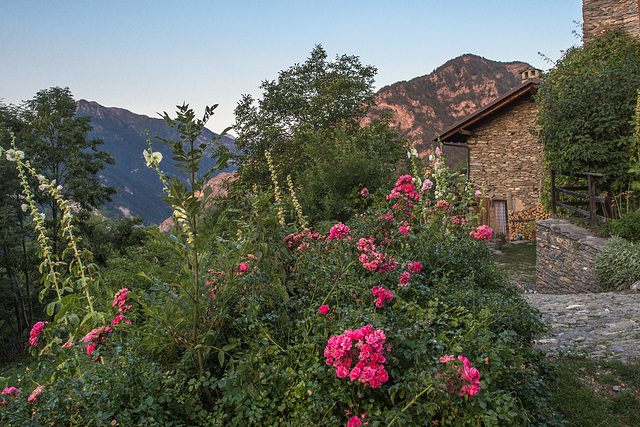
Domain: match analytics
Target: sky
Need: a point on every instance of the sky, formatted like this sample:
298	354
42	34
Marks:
149	56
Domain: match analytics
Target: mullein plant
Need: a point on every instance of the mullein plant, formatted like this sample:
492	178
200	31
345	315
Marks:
276	188
73	291
296	204
188	202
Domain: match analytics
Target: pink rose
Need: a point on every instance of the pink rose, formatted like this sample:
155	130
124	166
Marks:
243	267
35	333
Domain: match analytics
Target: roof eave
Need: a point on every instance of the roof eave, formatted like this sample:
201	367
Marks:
453	133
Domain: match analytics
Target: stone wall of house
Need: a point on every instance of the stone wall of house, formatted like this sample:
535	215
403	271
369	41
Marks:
506	158
601	15
565	258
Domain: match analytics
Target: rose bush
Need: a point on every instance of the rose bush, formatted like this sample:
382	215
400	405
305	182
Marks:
298	328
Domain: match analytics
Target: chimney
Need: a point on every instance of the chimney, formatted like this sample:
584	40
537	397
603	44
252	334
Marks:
530	73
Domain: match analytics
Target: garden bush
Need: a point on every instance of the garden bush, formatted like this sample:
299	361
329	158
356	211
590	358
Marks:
627	227
618	265
399	317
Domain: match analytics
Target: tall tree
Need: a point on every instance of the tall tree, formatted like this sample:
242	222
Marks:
58	144
17	257
586	106
310	113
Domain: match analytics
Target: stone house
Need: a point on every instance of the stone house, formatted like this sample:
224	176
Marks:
599	16
503	156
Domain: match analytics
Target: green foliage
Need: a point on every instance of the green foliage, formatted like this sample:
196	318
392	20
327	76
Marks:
627	227
107	238
55	141
586	105
227	329
344	164
59	148
309	121
618	265
18	260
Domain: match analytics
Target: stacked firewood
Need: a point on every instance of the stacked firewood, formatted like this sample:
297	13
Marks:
522	223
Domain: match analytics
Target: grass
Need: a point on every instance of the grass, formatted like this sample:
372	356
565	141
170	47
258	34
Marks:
592	393
598	392
519	261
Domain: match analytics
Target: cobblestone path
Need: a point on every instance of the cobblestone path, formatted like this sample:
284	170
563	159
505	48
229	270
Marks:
596	325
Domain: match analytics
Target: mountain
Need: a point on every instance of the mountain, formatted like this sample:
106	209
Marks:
421	107
428	104
124	135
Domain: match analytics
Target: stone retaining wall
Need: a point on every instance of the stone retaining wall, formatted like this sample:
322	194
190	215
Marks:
565	258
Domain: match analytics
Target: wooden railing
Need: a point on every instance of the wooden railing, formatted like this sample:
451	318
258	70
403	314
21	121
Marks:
590	199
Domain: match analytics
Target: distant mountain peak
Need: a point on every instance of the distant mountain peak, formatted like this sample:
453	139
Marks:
428	104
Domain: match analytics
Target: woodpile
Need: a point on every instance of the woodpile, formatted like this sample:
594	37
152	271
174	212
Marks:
522	224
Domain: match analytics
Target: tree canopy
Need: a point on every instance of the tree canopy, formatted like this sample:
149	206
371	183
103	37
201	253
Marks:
586	106
309	119
57	141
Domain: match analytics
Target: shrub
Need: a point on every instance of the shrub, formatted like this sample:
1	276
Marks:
627	227
618	265
397	317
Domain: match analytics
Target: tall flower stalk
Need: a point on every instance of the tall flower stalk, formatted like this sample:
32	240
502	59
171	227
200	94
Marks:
52	279
188	201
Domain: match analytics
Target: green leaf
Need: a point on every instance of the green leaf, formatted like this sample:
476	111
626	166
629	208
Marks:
229	347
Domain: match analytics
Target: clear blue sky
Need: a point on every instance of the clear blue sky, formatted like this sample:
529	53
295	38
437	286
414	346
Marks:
147	56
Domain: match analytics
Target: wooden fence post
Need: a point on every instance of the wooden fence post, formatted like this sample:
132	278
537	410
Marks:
593	210
554	214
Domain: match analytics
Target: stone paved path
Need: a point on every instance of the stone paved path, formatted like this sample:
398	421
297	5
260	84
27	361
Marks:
596	325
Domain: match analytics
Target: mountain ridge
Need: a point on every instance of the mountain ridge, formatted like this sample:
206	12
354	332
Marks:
422	106
427	104
124	135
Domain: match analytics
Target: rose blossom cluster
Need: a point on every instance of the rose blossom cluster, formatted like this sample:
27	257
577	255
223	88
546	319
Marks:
298	241
242	268
35	333
468	374
119	319
404	279
404	189
338	231
355	420
366	245
364	193
95	337
11	392
442	205
364	345
414	267
382	295
377	261
404	229
119	300
457	220
483	232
